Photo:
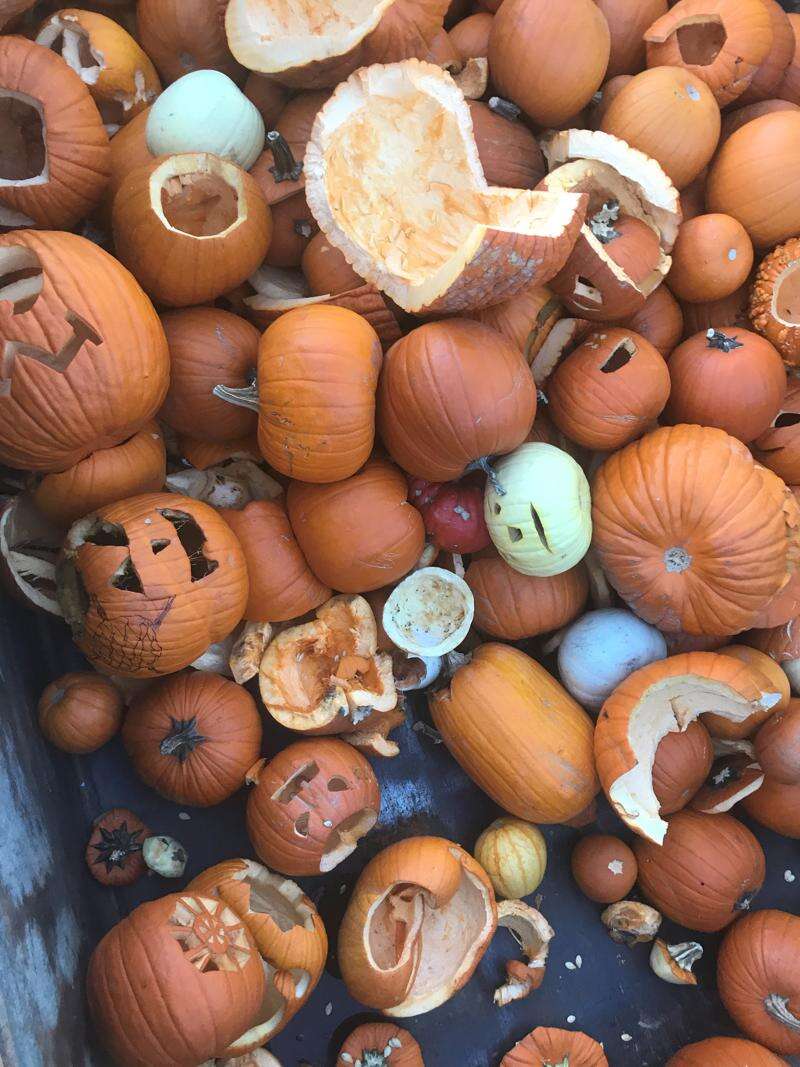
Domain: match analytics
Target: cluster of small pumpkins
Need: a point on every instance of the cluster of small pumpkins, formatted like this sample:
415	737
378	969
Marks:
345	346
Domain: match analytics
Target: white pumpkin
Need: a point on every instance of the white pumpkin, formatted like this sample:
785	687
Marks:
206	112
538	510
429	613
601	649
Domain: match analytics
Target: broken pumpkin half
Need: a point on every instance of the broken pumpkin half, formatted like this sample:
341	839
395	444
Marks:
394	180
661	698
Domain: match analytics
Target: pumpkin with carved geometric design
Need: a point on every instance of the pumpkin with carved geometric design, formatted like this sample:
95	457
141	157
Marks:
174	983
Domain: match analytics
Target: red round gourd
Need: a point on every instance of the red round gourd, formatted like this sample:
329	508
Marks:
452	513
512	606
711	259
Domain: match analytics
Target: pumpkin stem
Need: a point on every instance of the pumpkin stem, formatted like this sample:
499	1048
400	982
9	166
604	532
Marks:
777	1007
484	465
601	224
504	108
246	397
182	740
744	901
720	340
303	228
285	168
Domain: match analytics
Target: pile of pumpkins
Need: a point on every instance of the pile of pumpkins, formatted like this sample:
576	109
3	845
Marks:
345	347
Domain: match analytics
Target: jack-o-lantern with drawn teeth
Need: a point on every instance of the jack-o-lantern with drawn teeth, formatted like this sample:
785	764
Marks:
149	583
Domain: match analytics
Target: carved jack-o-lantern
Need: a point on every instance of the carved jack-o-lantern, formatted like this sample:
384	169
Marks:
149	583
83	358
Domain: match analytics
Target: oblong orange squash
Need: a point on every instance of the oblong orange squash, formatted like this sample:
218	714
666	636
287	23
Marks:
518	734
511	606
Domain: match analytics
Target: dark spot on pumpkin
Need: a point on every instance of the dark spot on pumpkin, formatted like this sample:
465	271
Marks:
337	784
22	148
109	534
701	42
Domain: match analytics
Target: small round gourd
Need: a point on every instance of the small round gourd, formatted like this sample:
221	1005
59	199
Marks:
514	855
538	510
206	112
601	649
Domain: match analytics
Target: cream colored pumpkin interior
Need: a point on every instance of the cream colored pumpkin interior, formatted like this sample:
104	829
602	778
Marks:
23	150
197	194
69	40
786	296
448	938
669	706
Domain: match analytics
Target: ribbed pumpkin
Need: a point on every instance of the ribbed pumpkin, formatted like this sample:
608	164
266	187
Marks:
136	466
78	331
719	725
185	35
512	606
128	151
789	86
734	380
150	975
56	156
360	533
193	737
784	606
627	26
766	80
451	393
755	178
734	120
525	320
368	1042
149	583
706	873
716	314
547	1045
671	116
609	390
777	745
758	977
659	321
526	56
282	586
723	42
776	805
509	153
711	258
691	532
518	735
680	767
774	307
80	711
208	347
724	1052
317	372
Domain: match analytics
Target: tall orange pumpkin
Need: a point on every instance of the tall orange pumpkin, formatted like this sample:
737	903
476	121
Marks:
518	734
691	532
317	373
360	533
451	393
85	362
512	606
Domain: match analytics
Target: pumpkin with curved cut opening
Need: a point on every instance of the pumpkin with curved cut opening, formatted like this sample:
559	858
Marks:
548	1045
289	935
185	35
671	561
55	160
190	227
513	606
724	1052
311	805
193	737
77	330
149	583
775	300
151	970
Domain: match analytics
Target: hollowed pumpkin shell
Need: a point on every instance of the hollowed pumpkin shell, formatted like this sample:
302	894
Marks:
414	213
513	606
287	931
411	900
775	300
311	805
548	1045
705	874
149	583
429	613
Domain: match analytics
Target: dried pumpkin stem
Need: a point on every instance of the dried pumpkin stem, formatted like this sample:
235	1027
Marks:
720	340
182	740
504	108
602	223
285	168
246	397
777	1007
484	465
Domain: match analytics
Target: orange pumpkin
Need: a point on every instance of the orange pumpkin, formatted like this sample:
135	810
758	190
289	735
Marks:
190	227
293	227
789	86
56	160
10	9
670	115
193	737
547	1045
278	170
526	56
518	734
78	331
368	1043
724	1052
358	534
136	466
114	854
208	347
326	270
776	805
708	870
513	606
722	42
693	197
783	607
627	26
149	583
758	978
311	805
452	393
609	390
509	153
711	258
269	97
770	74
734	380
734	120
80	711
282	586
317	373
470	36
659	321
128	151
778	745
603	867
151	971
681	764
658	507
753	178
773	301
185	35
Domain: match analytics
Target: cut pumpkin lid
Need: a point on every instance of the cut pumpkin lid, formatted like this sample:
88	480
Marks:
430	612
394	180
661	698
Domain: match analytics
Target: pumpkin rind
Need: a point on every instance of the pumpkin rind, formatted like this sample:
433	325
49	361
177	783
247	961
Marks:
502	716
80	711
627	27
547	1045
185	35
772	301
711	258
513	606
374	1038
659	321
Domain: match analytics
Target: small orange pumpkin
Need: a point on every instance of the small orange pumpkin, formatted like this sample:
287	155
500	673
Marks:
509	153
711	259
724	1052
185	35
80	711
778	745
776	805
193	737
627	26
513	606
369	1044
547	1045
659	321
774	308
114	852
772	70
604	868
